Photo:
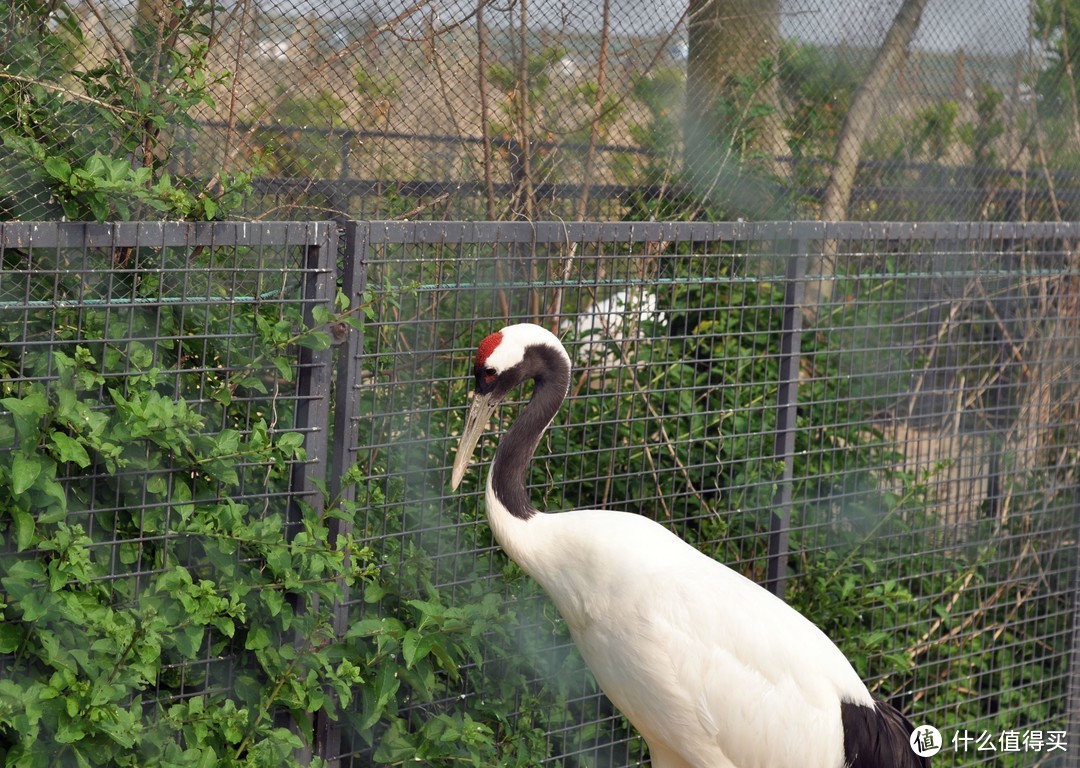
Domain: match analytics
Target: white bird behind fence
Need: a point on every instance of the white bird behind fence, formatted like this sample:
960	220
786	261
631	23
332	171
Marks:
605	324
713	670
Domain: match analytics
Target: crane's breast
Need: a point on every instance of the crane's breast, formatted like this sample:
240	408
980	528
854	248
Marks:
693	653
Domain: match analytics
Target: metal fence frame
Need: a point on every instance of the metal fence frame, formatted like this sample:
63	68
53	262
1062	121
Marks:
329	381
94	269
804	243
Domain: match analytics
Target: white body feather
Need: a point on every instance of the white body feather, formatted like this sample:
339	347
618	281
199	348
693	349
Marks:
650	612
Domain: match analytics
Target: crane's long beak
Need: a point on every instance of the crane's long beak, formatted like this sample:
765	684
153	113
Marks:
475	423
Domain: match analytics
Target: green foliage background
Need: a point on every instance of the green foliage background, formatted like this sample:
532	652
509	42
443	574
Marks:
165	604
157	608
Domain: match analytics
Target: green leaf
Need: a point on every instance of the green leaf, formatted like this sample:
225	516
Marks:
23	524
23	577
68	449
99	207
228	441
279	559
365	628
273	600
384	686
284	367
428	609
409	646
36	605
28	411
189	640
11	637
416	646
316	340
51	489
25	470
394	747
58	168
290	443
258	638
222	395
157	485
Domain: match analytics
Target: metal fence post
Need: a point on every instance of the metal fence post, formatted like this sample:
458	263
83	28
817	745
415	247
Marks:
787	403
346	379
313	395
313	370
327	732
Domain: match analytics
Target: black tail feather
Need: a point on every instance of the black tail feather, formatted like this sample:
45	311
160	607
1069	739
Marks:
878	737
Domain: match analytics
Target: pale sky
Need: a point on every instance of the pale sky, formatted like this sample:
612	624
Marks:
977	26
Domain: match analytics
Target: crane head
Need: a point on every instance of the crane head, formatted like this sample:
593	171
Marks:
502	362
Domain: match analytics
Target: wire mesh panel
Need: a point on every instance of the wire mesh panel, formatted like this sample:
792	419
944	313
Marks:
903	468
951	353
163	422
877	421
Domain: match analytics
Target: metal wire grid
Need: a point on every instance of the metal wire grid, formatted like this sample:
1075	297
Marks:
967	366
923	365
915	435
176	304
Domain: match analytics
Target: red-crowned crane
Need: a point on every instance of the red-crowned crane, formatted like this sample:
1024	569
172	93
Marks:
713	670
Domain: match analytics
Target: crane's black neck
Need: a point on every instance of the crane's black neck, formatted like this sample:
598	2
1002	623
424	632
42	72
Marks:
550	370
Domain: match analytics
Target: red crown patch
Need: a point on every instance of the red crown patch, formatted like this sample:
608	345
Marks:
487	346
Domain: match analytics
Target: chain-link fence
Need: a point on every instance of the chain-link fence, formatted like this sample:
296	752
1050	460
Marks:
601	110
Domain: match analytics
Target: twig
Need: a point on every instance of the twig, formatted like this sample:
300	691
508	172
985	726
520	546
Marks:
117	47
422	206
524	191
943	330
668	443
285	92
69	93
554	309
230	120
926	644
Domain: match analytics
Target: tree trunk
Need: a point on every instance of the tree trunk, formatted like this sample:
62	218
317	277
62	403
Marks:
857	126
860	117
730	39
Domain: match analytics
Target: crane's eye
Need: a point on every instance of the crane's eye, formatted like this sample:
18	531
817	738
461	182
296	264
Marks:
490	374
